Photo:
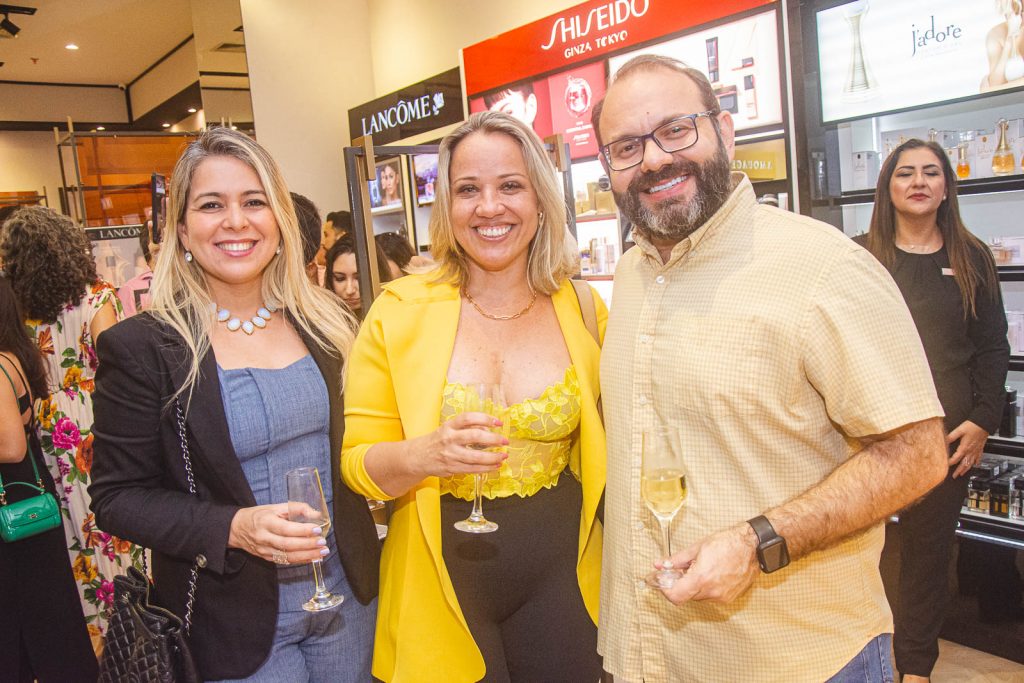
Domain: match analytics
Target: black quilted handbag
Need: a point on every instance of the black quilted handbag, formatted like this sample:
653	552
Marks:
145	643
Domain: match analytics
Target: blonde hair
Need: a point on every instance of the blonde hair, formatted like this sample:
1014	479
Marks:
180	295
553	253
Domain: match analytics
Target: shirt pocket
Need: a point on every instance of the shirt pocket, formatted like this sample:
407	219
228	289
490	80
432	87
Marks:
729	364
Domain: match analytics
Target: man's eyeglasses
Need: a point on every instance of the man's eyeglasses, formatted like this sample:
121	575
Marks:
673	136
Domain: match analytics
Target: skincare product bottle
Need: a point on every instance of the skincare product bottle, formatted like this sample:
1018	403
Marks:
711	44
1017	498
1002	159
751	96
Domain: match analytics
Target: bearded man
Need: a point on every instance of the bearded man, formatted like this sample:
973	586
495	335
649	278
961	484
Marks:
786	359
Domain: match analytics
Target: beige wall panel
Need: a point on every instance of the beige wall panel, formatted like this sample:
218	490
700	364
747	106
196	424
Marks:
29	162
53	103
172	76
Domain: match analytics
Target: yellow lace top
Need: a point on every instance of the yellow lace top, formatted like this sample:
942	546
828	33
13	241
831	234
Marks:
539	431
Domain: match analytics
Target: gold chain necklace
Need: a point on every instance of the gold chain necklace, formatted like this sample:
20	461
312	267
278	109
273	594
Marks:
533	300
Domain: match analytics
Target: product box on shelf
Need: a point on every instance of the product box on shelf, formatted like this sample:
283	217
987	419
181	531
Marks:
865	169
985	142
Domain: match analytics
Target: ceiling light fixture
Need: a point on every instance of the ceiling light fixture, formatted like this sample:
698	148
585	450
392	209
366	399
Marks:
101	127
9	27
191	110
166	125
70	46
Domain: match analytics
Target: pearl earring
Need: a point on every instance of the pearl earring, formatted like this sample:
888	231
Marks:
278	252
540	216
188	256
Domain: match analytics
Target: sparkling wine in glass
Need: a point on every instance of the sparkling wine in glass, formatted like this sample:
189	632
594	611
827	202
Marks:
490	399
663	488
306	504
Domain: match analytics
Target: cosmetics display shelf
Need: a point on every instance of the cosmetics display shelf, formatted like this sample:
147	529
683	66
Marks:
1012	446
585	218
991	529
1011	273
1010	183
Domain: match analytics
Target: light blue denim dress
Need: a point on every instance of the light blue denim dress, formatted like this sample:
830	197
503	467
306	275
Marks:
280	420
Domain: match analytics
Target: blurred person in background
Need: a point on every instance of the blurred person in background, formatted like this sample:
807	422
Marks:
309	226
342	275
134	294
398	251
49	262
43	636
948	278
336	225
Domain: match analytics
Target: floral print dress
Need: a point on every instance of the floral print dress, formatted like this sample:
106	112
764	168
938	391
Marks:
65	432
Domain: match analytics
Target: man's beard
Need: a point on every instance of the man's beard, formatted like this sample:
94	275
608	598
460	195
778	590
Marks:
676	218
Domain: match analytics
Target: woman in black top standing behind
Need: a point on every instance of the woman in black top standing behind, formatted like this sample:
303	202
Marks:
948	279
43	636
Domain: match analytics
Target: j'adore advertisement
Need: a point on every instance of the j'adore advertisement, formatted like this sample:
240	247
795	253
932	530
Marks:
883	55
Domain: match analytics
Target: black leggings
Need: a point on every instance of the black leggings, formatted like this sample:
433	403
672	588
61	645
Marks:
518	588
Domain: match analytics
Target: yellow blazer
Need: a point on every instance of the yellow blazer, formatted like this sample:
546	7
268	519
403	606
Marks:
395	378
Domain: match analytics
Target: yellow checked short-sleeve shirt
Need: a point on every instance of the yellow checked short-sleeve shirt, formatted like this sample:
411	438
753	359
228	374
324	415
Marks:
772	341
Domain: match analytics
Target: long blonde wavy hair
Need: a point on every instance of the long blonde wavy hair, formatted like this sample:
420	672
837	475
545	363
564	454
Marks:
553	255
180	296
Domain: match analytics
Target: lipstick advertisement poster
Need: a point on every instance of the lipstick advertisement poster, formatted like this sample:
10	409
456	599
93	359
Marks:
876	56
573	95
740	58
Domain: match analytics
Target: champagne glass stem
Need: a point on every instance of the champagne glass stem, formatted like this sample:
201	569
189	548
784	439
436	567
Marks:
666	536
478	497
318	578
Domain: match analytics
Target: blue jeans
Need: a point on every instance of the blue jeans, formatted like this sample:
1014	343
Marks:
873	664
316	647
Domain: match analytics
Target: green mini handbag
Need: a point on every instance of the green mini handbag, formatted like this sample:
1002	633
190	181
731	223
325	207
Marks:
30	516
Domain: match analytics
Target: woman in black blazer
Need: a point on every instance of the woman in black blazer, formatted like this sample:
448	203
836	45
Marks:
258	397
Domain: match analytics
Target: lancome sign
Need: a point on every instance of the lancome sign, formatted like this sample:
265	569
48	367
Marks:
425	106
878	56
584	32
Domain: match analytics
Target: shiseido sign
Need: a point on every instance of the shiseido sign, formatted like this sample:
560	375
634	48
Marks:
583	32
602	25
425	106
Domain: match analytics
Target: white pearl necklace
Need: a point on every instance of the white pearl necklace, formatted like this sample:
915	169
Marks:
234	323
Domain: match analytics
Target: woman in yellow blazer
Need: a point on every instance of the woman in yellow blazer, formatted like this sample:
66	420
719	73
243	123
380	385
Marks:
519	604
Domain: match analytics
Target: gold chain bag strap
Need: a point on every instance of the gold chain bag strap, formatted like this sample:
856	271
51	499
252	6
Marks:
146	643
35	514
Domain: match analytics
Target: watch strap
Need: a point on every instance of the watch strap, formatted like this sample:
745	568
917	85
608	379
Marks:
763	528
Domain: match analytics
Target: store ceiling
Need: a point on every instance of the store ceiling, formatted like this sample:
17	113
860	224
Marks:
117	39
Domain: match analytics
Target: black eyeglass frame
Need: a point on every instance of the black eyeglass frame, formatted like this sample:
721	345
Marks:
642	139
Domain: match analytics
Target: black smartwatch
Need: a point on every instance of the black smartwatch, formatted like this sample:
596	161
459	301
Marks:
772	553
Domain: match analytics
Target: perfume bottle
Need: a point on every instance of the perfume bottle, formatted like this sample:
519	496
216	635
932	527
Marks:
963	166
860	82
933	135
1002	159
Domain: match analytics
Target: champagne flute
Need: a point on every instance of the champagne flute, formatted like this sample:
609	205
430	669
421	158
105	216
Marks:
481	398
306	504
663	488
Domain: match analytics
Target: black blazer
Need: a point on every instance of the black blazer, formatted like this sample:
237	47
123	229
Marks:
140	493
